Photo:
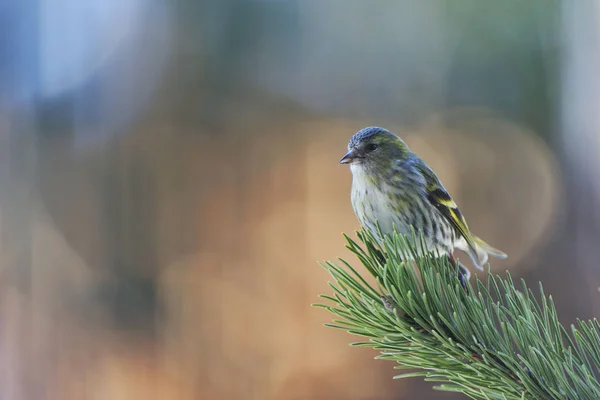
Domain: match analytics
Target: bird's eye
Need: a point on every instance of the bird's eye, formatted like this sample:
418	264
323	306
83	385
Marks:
371	147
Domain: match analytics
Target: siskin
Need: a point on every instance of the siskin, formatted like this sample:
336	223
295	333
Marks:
392	186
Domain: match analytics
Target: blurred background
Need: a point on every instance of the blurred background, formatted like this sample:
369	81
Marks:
169	179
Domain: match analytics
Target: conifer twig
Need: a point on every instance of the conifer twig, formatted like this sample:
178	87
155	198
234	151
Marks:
488	341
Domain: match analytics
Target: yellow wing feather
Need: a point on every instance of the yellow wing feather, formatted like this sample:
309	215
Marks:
440	199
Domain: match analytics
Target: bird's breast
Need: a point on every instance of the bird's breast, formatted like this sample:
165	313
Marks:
373	203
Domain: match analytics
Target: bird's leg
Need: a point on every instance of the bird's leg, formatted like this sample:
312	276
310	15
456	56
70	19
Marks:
463	272
380	256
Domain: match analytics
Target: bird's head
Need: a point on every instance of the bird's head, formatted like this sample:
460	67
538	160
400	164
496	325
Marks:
375	147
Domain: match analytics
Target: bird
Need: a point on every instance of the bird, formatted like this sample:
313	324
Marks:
393	189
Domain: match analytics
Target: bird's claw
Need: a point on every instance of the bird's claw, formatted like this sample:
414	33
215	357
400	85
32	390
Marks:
390	305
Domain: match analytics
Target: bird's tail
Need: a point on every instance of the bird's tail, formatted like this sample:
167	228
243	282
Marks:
480	256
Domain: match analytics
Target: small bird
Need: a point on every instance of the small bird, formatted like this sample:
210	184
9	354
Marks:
392	186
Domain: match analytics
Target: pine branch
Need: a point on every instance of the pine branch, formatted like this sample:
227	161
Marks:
490	341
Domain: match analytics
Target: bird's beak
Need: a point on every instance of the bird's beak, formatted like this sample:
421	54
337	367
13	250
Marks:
348	157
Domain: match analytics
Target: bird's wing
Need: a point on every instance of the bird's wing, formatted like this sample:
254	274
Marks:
440	199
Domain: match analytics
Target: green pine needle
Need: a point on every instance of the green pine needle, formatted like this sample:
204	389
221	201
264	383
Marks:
489	340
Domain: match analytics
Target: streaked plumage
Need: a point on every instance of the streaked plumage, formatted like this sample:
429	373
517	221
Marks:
391	185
